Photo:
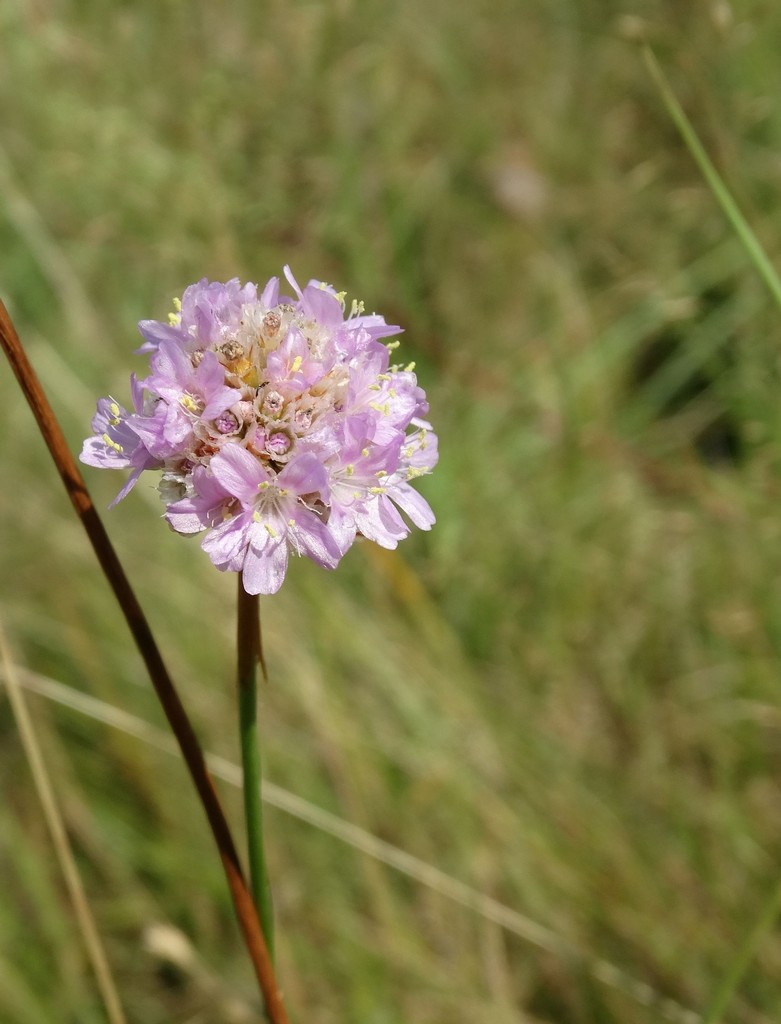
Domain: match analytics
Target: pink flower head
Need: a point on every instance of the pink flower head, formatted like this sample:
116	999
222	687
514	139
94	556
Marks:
278	424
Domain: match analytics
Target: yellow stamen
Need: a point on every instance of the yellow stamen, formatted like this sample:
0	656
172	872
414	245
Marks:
177	304
296	364
113	444
270	529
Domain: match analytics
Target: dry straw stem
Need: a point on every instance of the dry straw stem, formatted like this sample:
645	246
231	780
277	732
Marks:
60	841
164	687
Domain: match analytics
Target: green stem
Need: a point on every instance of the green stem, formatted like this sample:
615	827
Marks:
249	655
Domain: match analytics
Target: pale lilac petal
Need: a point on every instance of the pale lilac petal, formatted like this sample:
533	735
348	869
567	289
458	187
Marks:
374	524
137	393
131	482
171	363
391	519
96	452
321	304
225	544
221	400
184	518
151	431
315	540
414	504
239	472
305	475
341	526
265	565
209	374
204	509
209	490
154	333
177	428
270	294
291	280
375	326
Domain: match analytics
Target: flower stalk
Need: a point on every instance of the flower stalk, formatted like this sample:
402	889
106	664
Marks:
249	651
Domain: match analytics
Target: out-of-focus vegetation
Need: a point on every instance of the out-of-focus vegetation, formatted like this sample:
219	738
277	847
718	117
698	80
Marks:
568	695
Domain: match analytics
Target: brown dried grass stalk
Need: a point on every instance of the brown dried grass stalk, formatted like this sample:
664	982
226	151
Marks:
158	673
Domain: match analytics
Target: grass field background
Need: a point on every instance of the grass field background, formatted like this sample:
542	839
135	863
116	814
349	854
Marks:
567	696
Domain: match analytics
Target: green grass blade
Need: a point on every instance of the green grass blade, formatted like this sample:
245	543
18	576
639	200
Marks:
746	953
758	257
428	875
739	223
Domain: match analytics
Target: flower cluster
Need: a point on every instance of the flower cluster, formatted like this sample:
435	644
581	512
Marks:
279	425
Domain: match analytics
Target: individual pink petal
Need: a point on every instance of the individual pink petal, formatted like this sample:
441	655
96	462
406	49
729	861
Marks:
315	539
239	472
341	526
131	482
154	333
321	304
184	518
305	475
291	280
270	295
225	543
265	566
414	504
221	400
371	522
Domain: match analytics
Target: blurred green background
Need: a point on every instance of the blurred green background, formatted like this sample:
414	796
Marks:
567	696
